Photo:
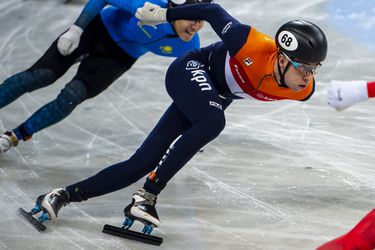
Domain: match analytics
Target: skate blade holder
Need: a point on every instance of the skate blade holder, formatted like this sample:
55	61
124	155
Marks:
32	220
132	235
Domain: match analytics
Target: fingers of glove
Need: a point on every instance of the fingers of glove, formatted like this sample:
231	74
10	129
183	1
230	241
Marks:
147	8
151	14
64	45
151	7
72	48
138	14
69	41
331	93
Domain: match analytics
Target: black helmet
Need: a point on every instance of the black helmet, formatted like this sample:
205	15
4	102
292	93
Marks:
174	3
302	41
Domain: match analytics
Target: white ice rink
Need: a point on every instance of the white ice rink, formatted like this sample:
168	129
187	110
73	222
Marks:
282	175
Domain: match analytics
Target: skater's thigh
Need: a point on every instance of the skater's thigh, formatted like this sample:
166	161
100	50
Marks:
53	60
98	73
170	126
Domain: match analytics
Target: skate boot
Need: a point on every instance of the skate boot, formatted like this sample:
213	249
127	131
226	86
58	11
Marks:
7	140
48	205
142	208
51	203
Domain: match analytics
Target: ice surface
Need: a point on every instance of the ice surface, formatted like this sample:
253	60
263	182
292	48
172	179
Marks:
283	175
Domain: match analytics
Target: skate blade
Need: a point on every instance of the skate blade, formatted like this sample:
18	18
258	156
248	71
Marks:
132	235
29	218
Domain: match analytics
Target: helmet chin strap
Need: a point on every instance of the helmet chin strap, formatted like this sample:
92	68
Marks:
282	74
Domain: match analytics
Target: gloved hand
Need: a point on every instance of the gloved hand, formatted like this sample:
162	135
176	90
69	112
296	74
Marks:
343	94
151	14
69	41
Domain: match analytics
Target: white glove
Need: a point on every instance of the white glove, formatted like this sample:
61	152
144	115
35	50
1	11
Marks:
151	14
69	41
343	94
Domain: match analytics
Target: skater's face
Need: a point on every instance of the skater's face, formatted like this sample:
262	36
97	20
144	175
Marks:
186	29
298	75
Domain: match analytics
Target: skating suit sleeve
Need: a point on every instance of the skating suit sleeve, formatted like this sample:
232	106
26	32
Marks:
250	55
129	34
137	39
93	8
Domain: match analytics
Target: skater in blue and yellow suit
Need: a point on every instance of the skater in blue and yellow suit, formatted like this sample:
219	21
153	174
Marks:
106	42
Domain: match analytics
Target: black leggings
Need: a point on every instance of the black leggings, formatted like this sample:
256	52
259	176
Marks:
102	60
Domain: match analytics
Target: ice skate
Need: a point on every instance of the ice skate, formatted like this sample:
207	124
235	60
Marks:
142	208
7	140
48	205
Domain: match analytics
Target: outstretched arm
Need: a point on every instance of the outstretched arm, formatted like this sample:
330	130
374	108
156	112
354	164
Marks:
343	94
231	31
69	41
93	8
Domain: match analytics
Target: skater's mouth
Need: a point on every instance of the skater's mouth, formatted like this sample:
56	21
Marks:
189	32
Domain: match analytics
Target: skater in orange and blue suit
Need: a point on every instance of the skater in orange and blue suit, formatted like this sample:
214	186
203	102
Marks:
245	64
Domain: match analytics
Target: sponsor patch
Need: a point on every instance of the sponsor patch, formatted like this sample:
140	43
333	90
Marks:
248	61
198	76
166	49
216	105
226	28
191	65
